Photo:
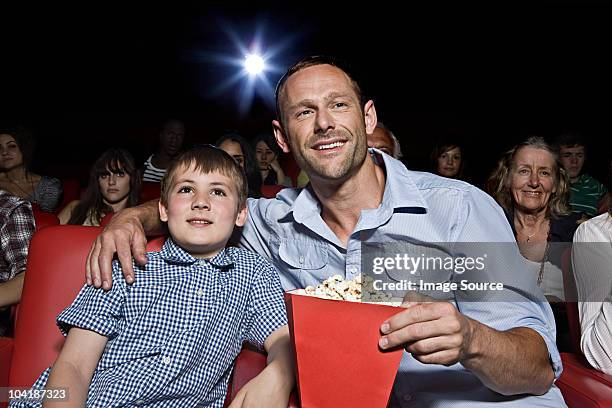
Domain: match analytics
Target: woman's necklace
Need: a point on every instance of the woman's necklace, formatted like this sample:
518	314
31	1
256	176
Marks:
531	236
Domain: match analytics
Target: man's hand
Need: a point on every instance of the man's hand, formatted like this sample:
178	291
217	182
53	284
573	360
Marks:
434	332
123	235
515	361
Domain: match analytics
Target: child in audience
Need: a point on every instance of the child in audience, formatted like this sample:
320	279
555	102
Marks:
114	184
170	338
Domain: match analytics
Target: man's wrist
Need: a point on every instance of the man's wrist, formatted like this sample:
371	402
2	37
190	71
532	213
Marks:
472	348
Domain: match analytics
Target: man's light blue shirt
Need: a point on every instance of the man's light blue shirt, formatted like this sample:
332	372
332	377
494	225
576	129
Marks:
419	207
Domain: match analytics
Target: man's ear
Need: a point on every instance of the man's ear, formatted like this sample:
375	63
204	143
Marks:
369	116
241	217
163	212
280	136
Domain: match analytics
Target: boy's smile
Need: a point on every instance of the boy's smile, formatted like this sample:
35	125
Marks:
202	211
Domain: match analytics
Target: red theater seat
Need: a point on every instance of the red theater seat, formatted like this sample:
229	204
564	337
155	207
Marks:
54	275
72	191
44	219
149	191
271	191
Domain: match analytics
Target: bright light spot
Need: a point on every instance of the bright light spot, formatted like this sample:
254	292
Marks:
254	64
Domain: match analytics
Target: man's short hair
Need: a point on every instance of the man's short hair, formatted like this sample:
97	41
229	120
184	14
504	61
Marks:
397	149
206	159
311	62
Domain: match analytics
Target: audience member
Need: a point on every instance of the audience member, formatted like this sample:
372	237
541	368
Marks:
237	147
447	160
383	139
16	149
16	229
591	260
266	154
585	191
171	140
472	351
161	341
302	179
114	184
532	187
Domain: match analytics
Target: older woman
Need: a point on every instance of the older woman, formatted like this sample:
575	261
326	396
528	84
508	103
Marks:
16	149
532	187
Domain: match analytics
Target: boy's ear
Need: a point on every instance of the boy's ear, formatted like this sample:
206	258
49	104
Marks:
280	136
163	213
241	217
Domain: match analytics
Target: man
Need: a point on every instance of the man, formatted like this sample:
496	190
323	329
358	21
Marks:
309	234
586	193
16	229
383	139
171	139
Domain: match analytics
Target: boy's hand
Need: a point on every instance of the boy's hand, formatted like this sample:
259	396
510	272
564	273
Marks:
269	389
272	387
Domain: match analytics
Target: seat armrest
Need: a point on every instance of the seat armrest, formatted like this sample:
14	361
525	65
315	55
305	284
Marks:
6	352
583	386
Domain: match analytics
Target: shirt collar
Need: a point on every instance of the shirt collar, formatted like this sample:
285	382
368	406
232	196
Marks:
173	253
400	191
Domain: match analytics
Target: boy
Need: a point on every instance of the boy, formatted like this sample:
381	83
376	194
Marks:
170	339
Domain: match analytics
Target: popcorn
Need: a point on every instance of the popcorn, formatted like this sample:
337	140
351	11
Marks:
327	336
337	288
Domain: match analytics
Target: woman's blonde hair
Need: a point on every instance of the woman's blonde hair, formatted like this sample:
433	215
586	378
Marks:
498	184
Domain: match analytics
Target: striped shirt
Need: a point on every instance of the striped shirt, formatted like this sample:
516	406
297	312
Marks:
416	207
174	334
585	194
47	194
152	173
591	260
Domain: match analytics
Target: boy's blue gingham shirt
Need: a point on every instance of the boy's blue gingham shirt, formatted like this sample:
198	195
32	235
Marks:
174	334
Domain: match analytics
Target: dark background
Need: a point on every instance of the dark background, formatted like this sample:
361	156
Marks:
91	76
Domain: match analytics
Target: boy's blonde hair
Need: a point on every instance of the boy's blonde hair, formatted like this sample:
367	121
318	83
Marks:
206	159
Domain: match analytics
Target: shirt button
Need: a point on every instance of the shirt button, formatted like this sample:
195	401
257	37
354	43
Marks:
301	259
408	397
200	292
353	269
166	360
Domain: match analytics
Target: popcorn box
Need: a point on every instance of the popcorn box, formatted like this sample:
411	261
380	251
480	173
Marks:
338	361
